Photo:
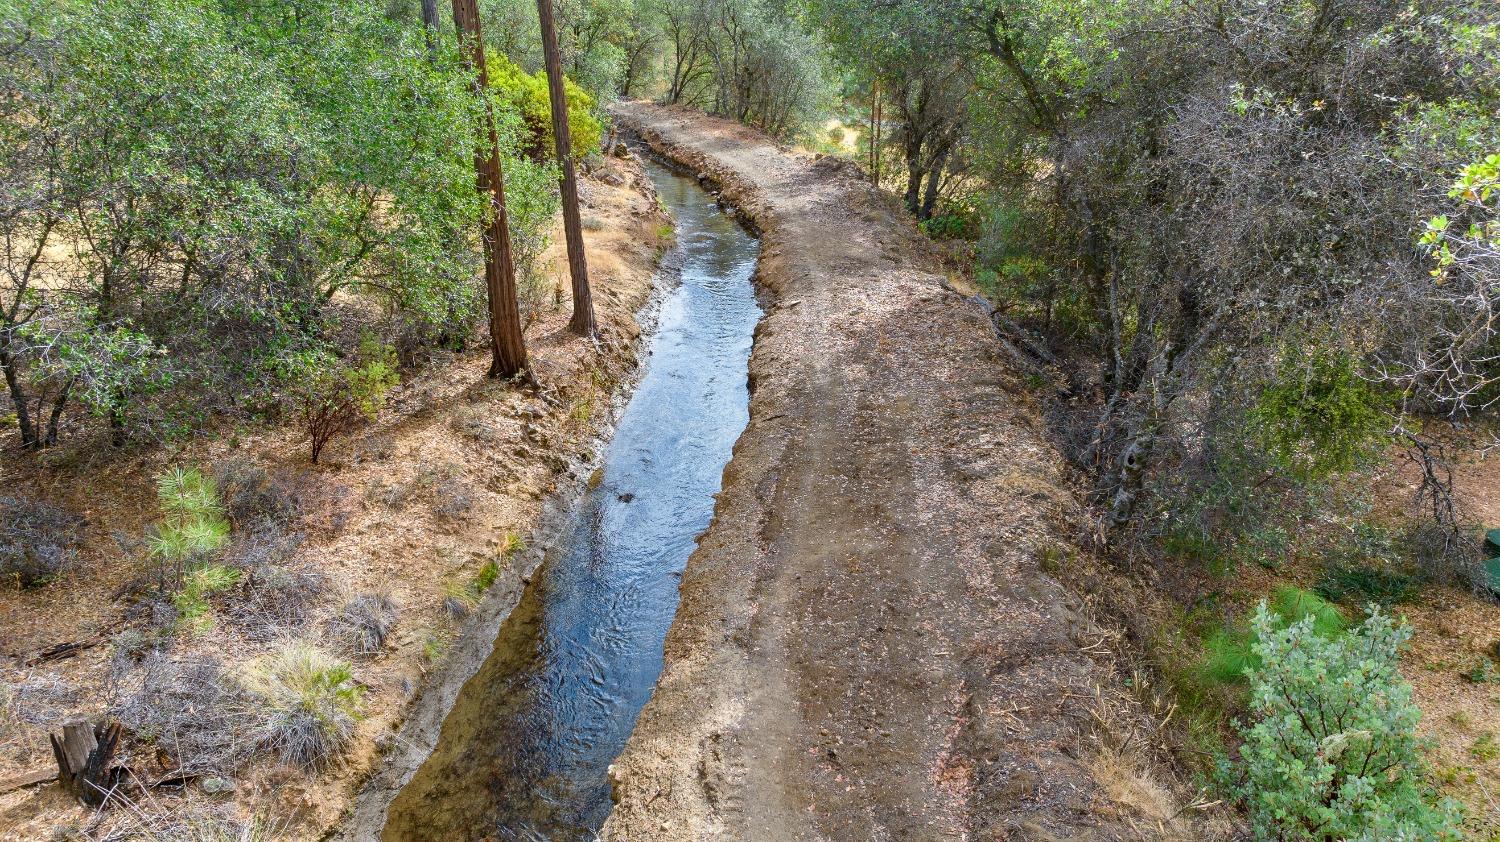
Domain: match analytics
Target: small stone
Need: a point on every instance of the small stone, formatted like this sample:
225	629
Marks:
216	785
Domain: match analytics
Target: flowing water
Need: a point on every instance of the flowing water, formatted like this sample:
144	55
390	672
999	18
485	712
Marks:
523	753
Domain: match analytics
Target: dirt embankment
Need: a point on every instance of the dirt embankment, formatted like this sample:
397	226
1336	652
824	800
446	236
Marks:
867	645
413	508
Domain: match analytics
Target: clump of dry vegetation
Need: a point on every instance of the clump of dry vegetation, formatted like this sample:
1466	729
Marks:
296	703
364	622
38	541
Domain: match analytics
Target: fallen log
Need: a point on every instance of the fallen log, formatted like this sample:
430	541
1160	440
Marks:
25	779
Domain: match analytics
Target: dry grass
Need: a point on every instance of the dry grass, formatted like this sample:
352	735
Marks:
171	685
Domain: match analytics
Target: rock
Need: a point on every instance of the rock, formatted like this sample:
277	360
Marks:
216	785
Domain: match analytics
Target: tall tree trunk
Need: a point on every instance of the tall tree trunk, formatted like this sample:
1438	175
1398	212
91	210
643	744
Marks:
582	322
508	344
914	172
430	25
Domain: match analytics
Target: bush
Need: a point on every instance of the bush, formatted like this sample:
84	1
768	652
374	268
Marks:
37	541
296	703
306	704
1332	753
335	396
251	495
275	602
365	621
190	709
527	95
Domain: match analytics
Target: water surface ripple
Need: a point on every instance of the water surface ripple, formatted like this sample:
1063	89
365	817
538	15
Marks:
523	753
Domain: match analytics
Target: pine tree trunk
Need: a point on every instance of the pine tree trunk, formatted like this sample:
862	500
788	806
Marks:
583	303
509	347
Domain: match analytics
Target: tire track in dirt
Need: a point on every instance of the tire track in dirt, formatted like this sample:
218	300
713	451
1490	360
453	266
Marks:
866	647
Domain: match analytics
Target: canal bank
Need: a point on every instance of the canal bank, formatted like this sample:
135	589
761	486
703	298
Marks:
523	749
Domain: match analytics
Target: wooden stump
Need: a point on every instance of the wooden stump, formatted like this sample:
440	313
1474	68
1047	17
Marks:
85	755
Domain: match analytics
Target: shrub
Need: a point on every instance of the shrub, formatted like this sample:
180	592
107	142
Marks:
190	709
365	621
335	396
527	95
296	703
306	704
1332	753
251	494
37	541
193	610
275	602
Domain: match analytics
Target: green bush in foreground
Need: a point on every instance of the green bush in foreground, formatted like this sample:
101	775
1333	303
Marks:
1332	753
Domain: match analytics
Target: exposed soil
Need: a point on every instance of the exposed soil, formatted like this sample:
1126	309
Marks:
867	646
415	503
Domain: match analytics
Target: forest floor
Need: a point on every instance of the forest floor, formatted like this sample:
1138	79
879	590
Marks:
868	646
412	507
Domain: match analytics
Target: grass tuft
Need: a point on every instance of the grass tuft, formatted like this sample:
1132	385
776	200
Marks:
310	704
365	621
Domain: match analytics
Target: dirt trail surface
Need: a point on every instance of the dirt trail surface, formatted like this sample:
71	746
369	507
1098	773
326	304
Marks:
866	647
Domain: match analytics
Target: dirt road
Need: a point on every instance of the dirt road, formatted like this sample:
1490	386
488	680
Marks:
867	648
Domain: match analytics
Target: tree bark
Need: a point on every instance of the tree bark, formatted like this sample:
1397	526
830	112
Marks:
430	25
508	345
85	755
582	322
8	363
934	182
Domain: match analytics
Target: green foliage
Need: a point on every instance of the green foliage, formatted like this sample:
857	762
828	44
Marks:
334	396
1484	672
193	525
1363	584
305	704
1231	653
485	578
1319	417
226	177
1331	752
193	610
526	95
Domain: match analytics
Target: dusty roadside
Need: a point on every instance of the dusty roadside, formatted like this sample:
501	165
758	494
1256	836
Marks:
413	508
867	645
